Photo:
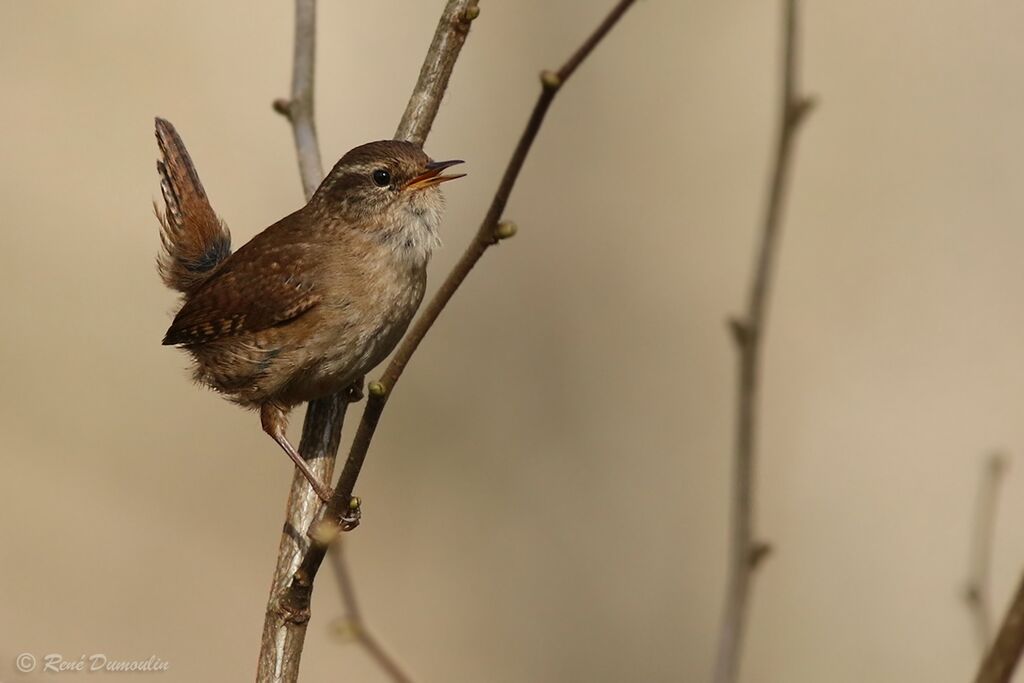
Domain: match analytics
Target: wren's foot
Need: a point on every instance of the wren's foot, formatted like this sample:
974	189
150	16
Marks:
350	520
354	392
275	422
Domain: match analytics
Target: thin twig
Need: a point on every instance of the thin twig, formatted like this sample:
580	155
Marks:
1003	657
354	624
977	592
746	551
284	628
491	231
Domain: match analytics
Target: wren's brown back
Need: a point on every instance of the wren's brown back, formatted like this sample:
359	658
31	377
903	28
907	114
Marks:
265	283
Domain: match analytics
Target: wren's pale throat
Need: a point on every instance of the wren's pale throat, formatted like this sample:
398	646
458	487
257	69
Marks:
315	301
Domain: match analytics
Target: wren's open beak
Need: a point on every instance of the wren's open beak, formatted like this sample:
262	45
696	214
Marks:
432	176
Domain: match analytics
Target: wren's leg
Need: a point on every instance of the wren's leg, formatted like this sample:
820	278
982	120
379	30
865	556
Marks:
275	422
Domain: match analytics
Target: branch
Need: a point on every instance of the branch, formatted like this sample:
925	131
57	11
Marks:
284	628
299	109
1003	657
353	623
491	231
977	593
284	631
449	37
746	553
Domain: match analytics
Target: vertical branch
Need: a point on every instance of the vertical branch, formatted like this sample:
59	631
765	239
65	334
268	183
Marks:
746	551
288	613
977	592
1003	657
284	632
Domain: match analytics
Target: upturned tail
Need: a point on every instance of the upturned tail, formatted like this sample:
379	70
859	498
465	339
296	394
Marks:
195	241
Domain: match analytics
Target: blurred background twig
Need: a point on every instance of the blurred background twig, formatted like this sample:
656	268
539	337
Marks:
1004	655
746	551
352	624
978	591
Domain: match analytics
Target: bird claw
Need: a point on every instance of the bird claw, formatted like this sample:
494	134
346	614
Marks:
350	520
354	392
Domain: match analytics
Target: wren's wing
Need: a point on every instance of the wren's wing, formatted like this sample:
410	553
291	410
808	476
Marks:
259	286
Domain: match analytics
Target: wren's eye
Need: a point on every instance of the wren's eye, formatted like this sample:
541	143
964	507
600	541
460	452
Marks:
381	177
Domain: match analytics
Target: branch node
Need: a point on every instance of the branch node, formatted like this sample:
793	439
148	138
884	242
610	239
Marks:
471	13
283	106
998	463
296	616
740	330
505	230
377	389
972	594
550	80
798	108
759	552
350	520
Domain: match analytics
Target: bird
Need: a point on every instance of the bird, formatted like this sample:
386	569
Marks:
312	303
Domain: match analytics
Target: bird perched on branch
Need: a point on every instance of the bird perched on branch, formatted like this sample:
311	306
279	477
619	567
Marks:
315	301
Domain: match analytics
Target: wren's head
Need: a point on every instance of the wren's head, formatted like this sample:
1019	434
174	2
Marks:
391	189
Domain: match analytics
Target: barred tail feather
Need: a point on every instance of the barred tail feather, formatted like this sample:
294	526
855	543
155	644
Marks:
194	240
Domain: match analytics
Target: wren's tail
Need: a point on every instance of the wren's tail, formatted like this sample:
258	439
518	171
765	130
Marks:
194	240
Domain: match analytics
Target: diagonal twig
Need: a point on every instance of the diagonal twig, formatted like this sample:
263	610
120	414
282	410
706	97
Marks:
977	592
1004	655
284	628
746	551
353	623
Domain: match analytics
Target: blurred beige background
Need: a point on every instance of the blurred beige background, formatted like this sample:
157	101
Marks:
547	497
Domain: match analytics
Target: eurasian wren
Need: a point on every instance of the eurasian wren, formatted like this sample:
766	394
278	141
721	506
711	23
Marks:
315	301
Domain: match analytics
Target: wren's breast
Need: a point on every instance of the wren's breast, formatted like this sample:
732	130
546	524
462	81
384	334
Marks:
361	320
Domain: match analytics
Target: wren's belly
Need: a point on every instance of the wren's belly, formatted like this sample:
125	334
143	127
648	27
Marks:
349	346
348	359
